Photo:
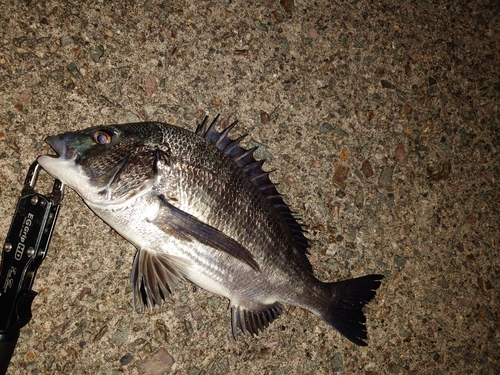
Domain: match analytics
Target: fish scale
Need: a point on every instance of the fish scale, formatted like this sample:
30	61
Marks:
198	206
236	224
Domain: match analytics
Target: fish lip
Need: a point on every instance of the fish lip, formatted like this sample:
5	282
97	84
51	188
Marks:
61	148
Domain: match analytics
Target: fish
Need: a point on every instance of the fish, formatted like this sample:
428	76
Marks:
198	206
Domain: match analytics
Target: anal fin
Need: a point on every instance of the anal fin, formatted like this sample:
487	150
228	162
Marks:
252	321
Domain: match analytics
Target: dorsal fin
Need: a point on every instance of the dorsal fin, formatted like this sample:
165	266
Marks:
260	178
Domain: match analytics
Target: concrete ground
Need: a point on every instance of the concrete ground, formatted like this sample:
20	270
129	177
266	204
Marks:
381	119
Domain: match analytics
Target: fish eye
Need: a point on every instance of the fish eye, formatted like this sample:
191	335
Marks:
101	137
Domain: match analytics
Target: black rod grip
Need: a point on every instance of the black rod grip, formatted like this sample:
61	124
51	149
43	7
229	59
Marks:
8	340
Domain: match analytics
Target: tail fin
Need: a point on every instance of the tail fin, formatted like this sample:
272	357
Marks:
345	310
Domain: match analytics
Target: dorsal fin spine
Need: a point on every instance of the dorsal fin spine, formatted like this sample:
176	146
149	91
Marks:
202	128
253	167
246	153
211	134
224	139
262	175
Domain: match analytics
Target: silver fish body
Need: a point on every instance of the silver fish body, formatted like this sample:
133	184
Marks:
198	206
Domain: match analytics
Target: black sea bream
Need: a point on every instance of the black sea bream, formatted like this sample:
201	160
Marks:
198	206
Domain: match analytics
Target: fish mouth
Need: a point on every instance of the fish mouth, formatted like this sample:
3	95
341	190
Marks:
61	148
61	166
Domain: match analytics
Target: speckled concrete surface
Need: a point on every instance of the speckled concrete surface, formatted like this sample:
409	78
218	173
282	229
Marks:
381	119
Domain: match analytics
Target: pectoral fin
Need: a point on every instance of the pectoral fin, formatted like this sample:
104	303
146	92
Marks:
182	225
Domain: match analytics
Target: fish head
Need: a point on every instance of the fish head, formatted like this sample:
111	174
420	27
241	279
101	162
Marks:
107	165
